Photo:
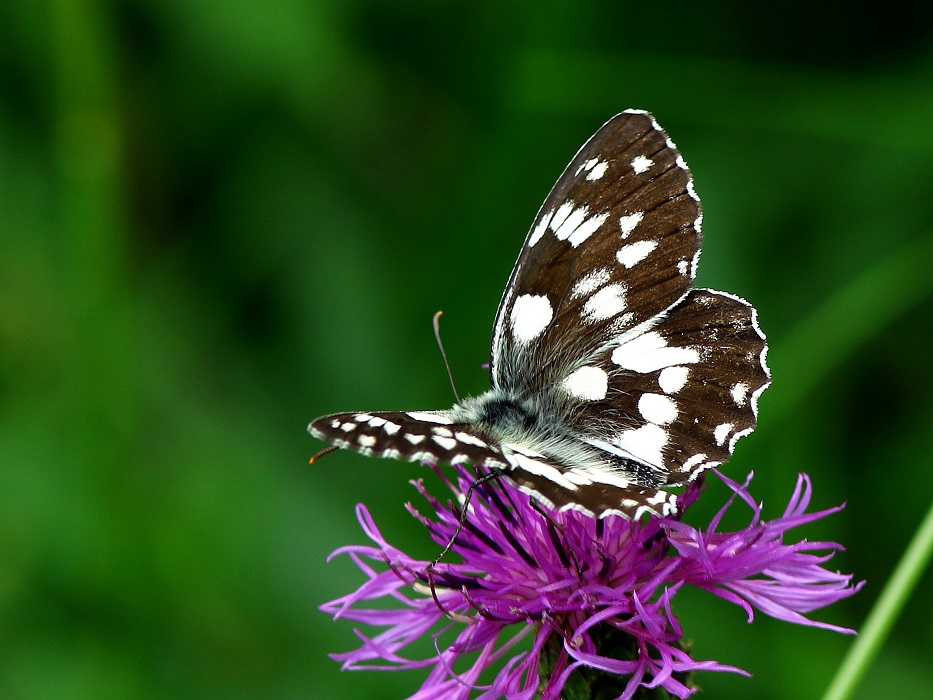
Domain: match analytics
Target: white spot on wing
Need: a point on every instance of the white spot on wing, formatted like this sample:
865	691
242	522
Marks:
595	169
577	226
693	462
531	314
621	324
561	214
391	428
414	439
598	171
586	229
468	439
590	282
605	477
657	408
540	229
588	383
578	476
423	457
644	443
641	163
570	224
740	394
535	466
633	253
628	222
672	379
366	440
347	427
606	303
429	417
448	443
587	165
527	451
650	352
722	432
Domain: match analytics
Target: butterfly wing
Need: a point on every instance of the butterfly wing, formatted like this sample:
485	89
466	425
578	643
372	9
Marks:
417	436
615	244
600	318
684	391
434	437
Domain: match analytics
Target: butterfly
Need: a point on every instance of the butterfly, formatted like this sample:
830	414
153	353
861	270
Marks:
612	377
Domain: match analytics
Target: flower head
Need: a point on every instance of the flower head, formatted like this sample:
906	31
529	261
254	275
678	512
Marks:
594	596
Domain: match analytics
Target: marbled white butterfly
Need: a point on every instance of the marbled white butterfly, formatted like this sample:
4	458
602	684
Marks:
612	377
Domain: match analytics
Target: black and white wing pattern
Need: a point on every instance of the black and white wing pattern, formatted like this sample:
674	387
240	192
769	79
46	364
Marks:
612	378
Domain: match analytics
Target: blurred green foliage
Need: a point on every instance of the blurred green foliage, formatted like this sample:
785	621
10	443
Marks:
220	220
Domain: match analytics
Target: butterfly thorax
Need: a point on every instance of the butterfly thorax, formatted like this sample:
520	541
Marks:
503	415
532	426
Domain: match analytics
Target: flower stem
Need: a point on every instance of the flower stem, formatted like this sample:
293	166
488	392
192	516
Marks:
885	612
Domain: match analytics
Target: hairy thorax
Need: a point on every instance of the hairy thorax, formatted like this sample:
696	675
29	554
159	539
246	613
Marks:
539	425
532	424
506	417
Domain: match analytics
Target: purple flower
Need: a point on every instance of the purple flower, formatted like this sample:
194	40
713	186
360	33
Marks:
593	596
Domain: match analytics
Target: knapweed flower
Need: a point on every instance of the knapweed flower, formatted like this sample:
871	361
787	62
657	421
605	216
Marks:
593	596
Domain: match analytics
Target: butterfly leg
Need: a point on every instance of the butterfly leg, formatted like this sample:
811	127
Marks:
492	474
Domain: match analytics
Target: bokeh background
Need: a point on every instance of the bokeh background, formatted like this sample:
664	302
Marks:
220	220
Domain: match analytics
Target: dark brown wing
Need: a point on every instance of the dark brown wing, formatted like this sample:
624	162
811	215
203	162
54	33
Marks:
614	244
681	393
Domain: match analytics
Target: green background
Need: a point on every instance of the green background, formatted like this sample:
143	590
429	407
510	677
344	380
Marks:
220	220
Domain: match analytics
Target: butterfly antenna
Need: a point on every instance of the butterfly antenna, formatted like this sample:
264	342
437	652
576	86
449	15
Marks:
492	474
320	454
437	335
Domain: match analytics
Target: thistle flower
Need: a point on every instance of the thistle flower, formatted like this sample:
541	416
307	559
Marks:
594	596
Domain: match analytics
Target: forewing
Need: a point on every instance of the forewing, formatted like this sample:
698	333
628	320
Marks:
615	243
416	436
681	393
431	437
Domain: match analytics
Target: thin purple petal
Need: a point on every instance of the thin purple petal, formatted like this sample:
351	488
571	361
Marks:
565	578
